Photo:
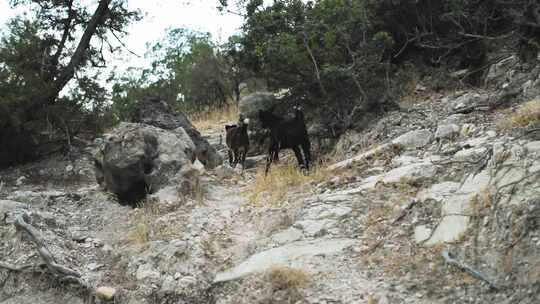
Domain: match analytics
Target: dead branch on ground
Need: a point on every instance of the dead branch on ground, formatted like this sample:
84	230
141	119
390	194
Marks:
464	267
60	272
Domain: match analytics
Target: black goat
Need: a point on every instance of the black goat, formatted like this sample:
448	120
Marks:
237	141
287	134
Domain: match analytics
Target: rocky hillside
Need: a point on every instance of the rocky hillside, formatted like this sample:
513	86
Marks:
436	203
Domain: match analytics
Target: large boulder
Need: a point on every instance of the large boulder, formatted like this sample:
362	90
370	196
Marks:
137	159
156	112
250	105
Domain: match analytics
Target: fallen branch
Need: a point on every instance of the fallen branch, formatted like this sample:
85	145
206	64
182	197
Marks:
55	268
22	268
463	267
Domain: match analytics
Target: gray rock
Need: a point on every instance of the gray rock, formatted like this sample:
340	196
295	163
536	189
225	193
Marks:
8	206
454	209
78	234
421	233
283	256
250	105
325	211
498	72
368	154
413	172
404	160
20	181
287	236
467	100
316	228
533	147
168	285
224	171
469	154
138	158
414	139
438	192
157	112
449	229
147	272
446	131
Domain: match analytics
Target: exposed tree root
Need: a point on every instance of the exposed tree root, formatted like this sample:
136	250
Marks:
62	273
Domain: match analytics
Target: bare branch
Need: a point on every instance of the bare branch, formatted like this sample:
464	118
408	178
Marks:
463	267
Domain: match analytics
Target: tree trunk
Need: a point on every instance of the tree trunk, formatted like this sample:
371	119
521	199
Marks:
78	57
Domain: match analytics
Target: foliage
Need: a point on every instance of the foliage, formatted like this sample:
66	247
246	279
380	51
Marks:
344	57
188	69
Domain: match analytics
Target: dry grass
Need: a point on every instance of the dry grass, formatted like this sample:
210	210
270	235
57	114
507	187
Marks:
284	179
211	119
274	187
286	278
396	263
527	114
147	227
481	201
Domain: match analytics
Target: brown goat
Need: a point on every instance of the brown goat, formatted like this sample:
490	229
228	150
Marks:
237	141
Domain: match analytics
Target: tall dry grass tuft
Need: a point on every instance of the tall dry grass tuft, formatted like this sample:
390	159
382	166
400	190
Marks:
147	227
284	278
527	114
284	179
211	119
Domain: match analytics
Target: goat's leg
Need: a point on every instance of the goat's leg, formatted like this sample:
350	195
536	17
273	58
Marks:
244	154
306	148
269	160
236	153
231	157
299	157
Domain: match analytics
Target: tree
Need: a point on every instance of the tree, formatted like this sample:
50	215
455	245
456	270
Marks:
188	69
40	55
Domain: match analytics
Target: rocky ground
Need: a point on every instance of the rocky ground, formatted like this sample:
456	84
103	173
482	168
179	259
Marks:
442	176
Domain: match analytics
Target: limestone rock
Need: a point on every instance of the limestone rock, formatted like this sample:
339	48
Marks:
105	293
138	158
224	171
287	236
414	139
421	233
446	131
7	206
146	271
157	112
498	71
368	154
467	100
250	105
283	256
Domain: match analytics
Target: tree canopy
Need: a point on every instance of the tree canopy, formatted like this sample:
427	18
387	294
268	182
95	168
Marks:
39	55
